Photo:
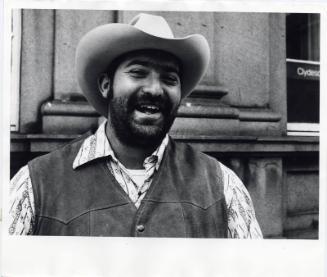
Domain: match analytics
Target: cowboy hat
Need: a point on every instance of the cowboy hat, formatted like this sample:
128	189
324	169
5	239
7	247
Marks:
99	47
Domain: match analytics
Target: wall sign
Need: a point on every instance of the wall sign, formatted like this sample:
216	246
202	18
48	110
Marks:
303	70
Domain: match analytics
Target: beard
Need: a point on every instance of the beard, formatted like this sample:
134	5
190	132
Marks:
145	133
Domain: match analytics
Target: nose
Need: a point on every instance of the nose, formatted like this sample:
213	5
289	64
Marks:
153	84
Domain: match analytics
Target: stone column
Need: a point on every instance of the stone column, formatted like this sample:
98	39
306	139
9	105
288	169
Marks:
240	48
36	66
67	112
71	25
264	181
238	166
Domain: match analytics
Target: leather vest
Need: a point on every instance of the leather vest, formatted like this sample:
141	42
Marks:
185	198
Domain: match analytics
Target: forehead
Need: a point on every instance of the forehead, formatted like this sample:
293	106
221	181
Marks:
152	58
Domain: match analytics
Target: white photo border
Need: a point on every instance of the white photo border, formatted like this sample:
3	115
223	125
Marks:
79	256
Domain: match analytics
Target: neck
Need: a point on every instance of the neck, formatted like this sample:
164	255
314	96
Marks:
132	157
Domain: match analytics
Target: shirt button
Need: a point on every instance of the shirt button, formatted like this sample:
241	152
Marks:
140	228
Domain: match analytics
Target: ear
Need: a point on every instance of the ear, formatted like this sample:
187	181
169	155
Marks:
104	84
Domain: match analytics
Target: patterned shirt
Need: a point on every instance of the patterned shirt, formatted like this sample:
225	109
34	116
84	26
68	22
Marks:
242	222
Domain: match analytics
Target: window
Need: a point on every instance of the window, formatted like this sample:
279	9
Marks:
303	73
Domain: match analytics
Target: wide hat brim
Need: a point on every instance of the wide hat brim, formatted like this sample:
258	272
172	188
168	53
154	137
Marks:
98	48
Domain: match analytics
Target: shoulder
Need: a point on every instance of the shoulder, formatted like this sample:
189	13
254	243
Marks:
233	186
234	189
198	163
242	222
190	153
21	177
66	152
20	182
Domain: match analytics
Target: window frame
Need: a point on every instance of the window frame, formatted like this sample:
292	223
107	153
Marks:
303	129
16	38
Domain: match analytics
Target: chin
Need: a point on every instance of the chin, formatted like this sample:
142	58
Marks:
147	136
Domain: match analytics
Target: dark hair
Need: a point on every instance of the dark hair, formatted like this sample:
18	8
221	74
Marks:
110	71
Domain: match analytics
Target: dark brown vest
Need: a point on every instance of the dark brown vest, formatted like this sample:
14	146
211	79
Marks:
185	198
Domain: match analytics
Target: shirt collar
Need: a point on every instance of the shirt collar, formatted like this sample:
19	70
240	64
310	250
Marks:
97	146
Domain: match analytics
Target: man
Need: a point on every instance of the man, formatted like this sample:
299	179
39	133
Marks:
130	178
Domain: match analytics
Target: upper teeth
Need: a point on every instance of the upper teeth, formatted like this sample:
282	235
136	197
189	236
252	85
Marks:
149	107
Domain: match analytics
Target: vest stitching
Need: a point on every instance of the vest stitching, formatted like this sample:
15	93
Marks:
186	202
81	214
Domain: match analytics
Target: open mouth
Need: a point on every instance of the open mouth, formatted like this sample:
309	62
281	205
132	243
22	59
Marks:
148	108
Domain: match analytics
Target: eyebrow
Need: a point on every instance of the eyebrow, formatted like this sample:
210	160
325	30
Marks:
165	67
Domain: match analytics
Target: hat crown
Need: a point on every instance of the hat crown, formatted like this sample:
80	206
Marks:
152	24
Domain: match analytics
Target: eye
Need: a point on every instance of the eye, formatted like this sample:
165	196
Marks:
137	72
171	79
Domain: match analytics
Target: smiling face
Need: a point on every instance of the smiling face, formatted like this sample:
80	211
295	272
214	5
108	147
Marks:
146	93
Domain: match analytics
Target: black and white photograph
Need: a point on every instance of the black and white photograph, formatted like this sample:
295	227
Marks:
164	124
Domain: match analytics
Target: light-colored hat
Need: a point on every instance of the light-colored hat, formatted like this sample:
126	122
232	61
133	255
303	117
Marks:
99	47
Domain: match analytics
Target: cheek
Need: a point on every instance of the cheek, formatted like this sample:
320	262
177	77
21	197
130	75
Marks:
122	86
175	96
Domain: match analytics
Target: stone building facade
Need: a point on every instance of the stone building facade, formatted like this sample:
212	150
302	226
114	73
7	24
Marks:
238	114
